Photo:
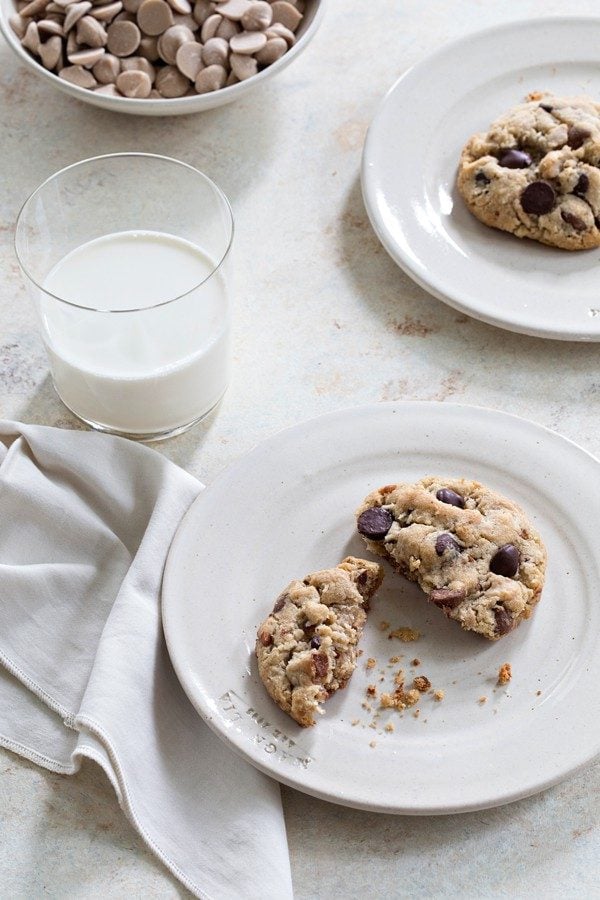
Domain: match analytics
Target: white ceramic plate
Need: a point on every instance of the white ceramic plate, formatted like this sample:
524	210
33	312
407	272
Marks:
409	168
286	509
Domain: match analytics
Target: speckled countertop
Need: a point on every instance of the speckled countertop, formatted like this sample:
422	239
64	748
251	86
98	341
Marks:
324	320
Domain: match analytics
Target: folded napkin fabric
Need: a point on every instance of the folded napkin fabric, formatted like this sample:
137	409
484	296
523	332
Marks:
86	524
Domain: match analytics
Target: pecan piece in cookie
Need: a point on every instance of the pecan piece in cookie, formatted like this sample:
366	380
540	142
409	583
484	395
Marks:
472	551
307	648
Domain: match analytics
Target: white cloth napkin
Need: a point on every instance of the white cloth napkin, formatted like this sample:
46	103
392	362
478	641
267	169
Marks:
86	521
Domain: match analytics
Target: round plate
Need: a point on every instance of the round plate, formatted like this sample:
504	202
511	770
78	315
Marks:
286	509
409	169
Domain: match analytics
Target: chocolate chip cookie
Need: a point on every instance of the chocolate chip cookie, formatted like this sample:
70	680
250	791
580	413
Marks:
307	647
472	551
536	173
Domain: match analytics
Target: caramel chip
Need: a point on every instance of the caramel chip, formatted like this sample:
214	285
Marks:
154	17
78	75
124	37
134	84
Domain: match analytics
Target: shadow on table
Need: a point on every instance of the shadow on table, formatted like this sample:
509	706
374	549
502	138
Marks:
43	407
232	144
498	852
454	343
100	853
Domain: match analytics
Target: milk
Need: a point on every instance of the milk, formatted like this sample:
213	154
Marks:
127	366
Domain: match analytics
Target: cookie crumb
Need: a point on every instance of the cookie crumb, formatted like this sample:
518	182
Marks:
504	673
355	722
538	693
482	700
438	696
371	663
405	634
421	683
399	677
371	690
400	699
384	626
373	744
411	697
394	659
416	662
360	652
389	726
367	707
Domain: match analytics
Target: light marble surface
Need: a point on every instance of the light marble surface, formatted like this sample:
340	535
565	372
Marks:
324	320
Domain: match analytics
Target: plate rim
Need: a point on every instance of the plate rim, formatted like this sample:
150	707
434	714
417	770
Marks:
279	775
369	193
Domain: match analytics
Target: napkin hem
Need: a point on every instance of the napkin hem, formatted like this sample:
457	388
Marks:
127	806
35	757
15	670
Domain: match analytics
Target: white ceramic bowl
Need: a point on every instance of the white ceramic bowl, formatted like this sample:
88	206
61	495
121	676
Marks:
167	107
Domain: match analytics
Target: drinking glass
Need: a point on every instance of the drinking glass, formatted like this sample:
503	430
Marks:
127	258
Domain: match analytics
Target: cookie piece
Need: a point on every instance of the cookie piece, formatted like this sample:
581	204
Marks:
307	647
472	551
536	173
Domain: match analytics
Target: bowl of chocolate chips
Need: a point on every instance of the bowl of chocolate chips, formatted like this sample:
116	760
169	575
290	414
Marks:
158	57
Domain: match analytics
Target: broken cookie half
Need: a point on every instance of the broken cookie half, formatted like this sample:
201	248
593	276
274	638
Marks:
472	551
307	648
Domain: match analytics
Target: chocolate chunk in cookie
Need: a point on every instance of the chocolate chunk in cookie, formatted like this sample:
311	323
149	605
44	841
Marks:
583	183
515	159
447	495
445	542
375	523
541	165
505	561
307	648
538	198
471	550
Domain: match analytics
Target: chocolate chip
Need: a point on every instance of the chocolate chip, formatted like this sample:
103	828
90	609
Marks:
505	561
315	642
445	542
574	221
445	597
576	136
538	198
447	495
374	523
546	107
514	159
321	664
504	620
481	178
582	185
280	603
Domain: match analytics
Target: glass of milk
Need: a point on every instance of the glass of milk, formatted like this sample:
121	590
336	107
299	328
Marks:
127	258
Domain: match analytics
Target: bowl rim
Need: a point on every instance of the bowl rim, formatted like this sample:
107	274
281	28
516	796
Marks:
123	104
